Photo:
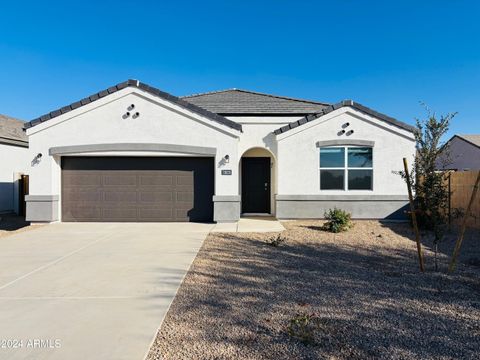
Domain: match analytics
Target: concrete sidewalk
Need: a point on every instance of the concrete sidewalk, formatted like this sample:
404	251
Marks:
250	224
91	290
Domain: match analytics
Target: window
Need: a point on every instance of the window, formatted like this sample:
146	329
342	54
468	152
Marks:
346	168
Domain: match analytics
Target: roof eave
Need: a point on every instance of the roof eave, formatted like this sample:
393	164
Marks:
345	103
14	142
466	140
142	86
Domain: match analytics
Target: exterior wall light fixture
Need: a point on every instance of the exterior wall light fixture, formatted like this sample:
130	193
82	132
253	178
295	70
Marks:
36	159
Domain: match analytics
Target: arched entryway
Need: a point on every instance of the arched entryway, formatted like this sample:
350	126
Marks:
257	182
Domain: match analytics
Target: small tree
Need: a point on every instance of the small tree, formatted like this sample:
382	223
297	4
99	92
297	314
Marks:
428	177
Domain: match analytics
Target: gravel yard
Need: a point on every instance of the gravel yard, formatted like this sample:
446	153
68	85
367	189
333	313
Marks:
361	289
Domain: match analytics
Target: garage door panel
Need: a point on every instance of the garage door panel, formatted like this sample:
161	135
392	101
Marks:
163	214
184	188
120	196
119	213
155	180
155	197
185	180
185	197
71	179
137	189
184	205
182	213
120	179
82	195
84	212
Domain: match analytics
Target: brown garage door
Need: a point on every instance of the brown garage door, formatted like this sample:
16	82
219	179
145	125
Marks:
137	189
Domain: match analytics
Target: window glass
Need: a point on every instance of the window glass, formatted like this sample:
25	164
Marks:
332	157
332	179
360	179
360	157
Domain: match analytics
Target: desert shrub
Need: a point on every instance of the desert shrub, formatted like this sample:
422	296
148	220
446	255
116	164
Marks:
304	327
275	240
338	220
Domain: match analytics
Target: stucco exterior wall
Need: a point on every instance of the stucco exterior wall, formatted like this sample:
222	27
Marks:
257	136
298	154
14	160
463	156
102	122
258	131
295	155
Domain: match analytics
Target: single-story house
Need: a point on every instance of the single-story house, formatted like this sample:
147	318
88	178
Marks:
13	162
463	153
135	153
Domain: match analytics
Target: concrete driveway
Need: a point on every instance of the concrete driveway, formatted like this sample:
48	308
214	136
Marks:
91	290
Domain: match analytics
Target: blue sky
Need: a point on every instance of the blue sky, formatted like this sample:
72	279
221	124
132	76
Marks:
387	55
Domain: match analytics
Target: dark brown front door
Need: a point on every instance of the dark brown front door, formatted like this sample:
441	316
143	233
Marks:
137	189
256	185
23	187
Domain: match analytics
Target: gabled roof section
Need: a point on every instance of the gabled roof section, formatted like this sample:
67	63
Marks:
244	102
11	131
142	86
472	139
345	103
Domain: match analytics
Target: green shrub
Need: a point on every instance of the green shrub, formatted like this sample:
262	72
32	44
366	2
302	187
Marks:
304	327
338	220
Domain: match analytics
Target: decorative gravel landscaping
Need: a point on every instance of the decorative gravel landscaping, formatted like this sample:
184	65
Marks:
316	295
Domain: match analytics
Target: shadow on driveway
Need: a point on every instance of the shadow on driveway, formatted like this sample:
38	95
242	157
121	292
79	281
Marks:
12	222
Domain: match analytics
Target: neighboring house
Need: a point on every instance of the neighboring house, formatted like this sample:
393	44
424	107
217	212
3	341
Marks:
464	153
135	153
13	162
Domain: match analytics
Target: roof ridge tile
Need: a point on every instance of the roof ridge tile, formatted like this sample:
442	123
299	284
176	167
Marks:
255	93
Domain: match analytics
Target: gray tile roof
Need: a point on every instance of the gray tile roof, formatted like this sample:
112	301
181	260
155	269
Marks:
144	87
472	139
215	105
244	102
339	105
11	131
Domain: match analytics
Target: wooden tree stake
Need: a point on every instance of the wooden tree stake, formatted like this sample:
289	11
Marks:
414	216
458	244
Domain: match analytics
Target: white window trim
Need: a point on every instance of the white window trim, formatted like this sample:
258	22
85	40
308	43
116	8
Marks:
346	168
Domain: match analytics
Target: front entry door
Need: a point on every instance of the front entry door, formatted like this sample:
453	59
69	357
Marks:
256	185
